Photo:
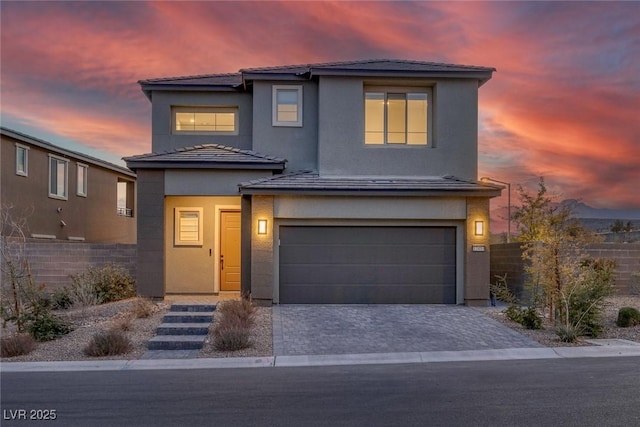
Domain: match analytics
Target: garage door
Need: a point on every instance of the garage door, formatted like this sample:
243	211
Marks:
367	265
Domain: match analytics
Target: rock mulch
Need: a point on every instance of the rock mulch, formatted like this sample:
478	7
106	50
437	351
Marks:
548	337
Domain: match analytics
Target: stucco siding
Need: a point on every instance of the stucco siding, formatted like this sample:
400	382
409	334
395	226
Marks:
299	145
164	140
451	151
185	182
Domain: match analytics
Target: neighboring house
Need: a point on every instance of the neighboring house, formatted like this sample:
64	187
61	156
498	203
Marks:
346	182
65	195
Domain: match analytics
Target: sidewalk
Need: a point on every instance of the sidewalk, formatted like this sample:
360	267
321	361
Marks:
622	349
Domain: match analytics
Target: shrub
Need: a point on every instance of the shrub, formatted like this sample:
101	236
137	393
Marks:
110	282
142	308
231	334
61	299
44	326
109	343
627	317
83	294
568	333
17	345
243	310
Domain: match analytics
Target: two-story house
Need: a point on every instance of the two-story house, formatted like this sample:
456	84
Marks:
60	194
345	182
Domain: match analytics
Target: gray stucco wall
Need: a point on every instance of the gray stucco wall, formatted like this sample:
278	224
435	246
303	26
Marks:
150	281
296	144
193	182
163	139
452	150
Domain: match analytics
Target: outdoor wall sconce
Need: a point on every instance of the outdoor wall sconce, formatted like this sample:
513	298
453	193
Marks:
479	228
262	226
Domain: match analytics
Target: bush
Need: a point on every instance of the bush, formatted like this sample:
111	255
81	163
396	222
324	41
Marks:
243	310
83	294
124	324
44	326
110	282
231	334
109	343
527	317
627	317
568	333
142	308
17	345
61	299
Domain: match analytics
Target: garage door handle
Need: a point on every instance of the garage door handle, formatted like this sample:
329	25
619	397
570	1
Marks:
221	262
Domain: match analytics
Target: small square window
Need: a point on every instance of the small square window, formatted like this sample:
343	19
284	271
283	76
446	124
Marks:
81	188
287	105
58	177
22	160
188	227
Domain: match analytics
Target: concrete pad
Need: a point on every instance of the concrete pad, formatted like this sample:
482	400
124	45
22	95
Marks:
480	355
347	359
598	351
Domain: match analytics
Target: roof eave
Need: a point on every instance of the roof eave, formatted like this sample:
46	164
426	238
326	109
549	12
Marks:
369	192
146	164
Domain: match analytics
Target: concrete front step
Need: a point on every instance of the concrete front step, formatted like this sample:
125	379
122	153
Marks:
176	342
183	329
188	317
189	307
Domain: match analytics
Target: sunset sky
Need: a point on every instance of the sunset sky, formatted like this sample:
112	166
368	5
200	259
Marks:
563	104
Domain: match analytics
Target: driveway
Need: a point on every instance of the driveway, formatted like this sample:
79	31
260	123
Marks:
348	329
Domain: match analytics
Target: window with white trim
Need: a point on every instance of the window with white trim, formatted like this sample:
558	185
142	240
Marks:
58	177
396	116
188	227
81	176
205	120
22	160
287	105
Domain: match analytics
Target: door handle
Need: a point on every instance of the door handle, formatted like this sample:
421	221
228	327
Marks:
221	262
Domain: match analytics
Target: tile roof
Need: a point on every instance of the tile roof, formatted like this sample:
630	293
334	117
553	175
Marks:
363	67
206	156
368	65
310	182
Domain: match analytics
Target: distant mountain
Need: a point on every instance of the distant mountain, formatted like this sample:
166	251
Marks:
594	218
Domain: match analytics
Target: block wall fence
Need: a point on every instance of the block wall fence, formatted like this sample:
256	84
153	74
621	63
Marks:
52	262
507	258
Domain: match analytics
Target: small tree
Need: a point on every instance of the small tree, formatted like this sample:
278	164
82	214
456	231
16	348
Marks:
553	243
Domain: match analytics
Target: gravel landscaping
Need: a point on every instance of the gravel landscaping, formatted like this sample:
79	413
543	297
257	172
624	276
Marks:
86	322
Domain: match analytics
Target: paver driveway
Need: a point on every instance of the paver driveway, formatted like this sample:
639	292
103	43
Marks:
348	329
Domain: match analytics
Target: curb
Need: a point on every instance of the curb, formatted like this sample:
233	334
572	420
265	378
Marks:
327	360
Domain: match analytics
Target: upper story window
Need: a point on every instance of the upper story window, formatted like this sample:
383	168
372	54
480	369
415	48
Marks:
81	176
58	177
125	197
205	120
287	105
22	160
396	116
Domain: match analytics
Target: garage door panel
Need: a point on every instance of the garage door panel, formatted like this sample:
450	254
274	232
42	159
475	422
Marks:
367	264
373	254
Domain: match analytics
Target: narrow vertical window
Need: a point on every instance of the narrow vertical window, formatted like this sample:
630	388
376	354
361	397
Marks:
374	118
81	187
287	105
58	177
125	197
22	160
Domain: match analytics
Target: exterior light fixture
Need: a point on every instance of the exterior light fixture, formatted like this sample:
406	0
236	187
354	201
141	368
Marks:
262	226
479	228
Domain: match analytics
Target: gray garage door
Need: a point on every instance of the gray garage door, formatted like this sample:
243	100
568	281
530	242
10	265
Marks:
367	265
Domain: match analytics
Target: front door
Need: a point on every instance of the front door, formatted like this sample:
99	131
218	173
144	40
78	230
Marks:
230	251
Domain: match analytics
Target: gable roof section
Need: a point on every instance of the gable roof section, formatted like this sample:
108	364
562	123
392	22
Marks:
362	68
307	182
206	156
30	140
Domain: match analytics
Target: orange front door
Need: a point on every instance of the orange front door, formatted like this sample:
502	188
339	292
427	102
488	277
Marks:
230	251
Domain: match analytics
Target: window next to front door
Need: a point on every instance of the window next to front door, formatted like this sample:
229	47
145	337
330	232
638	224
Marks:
396	116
